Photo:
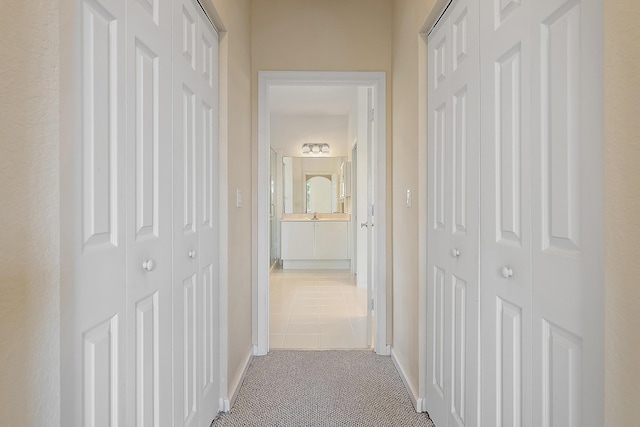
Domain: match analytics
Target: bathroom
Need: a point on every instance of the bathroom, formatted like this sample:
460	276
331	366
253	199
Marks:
318	277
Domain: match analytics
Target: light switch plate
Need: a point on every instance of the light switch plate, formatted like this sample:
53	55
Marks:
238	198
409	201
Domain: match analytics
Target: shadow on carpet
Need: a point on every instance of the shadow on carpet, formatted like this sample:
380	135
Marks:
322	388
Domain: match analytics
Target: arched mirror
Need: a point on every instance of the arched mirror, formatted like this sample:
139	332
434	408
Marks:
319	194
311	185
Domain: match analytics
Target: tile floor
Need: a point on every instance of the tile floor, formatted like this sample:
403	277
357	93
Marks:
317	309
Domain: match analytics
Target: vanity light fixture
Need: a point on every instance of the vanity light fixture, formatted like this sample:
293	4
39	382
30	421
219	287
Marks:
315	148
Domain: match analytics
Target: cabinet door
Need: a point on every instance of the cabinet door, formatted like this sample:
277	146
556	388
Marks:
297	240
331	240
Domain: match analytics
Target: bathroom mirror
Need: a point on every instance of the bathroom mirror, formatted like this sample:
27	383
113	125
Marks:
311	184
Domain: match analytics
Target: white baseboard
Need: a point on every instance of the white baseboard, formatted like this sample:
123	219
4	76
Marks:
421	405
417	403
318	264
227	402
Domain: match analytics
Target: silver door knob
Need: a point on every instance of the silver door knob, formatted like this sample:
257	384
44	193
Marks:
507	272
364	224
192	254
148	265
455	252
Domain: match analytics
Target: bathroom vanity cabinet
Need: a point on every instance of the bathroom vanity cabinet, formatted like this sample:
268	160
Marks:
320	244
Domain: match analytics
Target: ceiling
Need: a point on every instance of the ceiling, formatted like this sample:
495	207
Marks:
312	100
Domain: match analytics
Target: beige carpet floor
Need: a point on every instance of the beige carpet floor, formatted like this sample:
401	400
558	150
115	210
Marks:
322	388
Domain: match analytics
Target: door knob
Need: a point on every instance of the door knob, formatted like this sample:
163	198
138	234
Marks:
455	252
192	254
364	224
148	265
507	272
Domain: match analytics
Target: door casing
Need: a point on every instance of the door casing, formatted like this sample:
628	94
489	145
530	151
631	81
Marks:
377	80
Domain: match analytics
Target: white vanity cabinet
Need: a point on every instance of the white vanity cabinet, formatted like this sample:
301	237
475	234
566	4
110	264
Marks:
315	244
298	240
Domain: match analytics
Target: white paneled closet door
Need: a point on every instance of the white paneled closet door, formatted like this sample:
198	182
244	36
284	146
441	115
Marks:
542	213
140	214
149	213
567	218
208	255
94	286
195	148
453	212
506	213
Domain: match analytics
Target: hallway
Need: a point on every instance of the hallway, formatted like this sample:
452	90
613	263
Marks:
322	388
316	309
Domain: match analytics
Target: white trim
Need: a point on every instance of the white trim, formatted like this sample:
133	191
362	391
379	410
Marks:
403	376
227	403
223	206
377	80
436	13
316	264
423	330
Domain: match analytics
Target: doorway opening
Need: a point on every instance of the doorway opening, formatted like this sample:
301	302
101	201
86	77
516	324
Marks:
308	222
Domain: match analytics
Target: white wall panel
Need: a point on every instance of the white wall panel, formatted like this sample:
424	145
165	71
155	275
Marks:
459	127
208	165
146	128
147	399
561	377
560	101
188	36
509	364
508	116
209	313
190	404
440	167
100	139
459	351
100	372
189	159
438	334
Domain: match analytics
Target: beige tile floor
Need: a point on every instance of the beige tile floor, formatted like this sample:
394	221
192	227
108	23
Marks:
316	309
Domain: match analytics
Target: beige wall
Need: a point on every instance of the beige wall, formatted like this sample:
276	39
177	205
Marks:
622	213
290	131
408	18
235	15
29	215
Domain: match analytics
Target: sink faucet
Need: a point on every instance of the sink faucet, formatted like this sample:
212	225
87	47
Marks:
315	216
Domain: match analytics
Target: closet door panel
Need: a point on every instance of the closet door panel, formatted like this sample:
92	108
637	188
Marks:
439	224
149	213
463	249
93	338
454	142
505	213
207	45
187	202
567	217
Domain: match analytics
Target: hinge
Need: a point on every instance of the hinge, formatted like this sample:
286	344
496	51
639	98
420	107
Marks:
372	304
371	114
371	210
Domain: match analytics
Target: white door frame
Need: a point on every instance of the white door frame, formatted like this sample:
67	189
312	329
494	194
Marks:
377	80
